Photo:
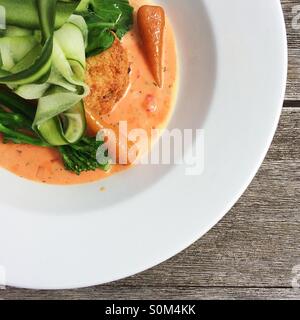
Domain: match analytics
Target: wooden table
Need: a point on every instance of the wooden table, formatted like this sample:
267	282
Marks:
252	251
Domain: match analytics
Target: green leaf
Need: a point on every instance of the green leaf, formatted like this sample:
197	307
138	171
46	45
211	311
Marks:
103	18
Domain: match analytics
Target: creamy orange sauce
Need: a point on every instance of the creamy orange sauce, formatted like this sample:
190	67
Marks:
145	106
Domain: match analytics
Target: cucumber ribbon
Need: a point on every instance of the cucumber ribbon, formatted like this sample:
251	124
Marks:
45	60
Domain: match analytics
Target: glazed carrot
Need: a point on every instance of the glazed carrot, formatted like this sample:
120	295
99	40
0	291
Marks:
151	24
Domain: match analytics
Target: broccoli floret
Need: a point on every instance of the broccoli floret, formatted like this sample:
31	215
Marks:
81	156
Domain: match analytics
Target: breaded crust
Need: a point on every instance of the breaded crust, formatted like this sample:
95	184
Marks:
108	78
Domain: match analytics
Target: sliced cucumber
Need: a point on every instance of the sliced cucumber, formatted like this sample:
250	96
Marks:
22	13
57	133
28	59
79	22
32	91
83	6
51	132
13	49
76	123
37	72
57	79
13	31
77	69
69	38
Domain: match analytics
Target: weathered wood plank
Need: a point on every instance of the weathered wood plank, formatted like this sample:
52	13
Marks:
155	293
293	81
293	84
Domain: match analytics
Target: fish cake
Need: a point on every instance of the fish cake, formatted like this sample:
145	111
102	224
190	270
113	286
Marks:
108	78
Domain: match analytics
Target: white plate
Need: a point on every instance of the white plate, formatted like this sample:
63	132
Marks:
233	61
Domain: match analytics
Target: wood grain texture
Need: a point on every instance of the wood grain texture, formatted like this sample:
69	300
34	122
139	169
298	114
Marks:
251	252
180	293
